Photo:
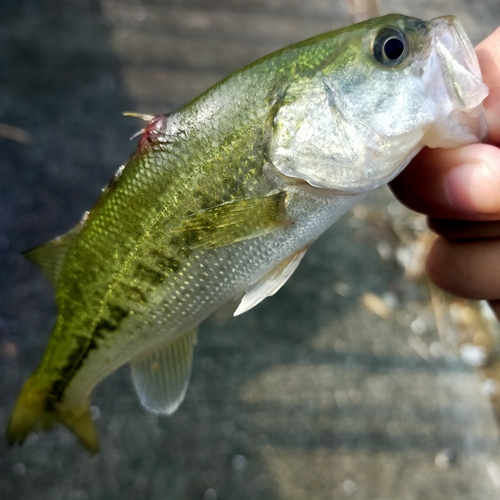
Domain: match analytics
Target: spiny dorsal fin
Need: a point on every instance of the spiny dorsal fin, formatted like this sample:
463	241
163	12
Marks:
271	282
161	377
50	256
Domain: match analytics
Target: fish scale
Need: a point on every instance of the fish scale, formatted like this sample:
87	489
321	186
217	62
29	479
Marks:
223	197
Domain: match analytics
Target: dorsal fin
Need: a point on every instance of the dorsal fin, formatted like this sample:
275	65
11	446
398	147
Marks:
161	377
50	256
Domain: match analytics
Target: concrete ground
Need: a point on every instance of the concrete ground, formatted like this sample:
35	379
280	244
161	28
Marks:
340	386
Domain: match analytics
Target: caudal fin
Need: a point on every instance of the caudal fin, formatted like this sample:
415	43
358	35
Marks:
31	415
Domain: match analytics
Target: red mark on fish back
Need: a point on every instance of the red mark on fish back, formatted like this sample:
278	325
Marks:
153	131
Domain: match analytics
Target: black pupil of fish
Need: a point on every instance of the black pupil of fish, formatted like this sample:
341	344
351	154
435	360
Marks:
393	48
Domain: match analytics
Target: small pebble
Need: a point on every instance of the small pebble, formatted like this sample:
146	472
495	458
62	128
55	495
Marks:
390	299
349	487
418	326
239	462
488	388
436	349
342	289
384	250
442	459
19	469
210	494
95	413
473	355
494	473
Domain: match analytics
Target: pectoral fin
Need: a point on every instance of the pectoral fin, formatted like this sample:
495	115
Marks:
232	222
271	282
161	377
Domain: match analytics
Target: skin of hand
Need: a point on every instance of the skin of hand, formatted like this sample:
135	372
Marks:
459	191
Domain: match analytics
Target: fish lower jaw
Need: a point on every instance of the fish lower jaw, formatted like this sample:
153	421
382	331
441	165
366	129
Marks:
457	129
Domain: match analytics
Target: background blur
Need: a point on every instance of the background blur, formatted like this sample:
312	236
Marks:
354	381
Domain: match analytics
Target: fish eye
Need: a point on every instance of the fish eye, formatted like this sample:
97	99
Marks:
390	47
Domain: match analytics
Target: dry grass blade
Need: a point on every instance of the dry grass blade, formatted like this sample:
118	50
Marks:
14	133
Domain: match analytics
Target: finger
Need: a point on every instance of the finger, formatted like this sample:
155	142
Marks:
465	230
488	55
467	269
460	183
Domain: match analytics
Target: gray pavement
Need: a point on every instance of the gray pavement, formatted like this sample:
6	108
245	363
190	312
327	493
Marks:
337	387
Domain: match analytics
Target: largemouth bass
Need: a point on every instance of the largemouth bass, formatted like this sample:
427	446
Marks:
223	198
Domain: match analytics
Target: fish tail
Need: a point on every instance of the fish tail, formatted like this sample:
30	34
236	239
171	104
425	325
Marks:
33	414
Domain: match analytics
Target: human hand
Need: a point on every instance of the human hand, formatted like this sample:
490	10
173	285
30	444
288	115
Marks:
459	190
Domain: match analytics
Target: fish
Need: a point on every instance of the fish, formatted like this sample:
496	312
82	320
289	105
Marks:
223	198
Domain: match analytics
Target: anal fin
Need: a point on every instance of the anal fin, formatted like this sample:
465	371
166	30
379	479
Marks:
161	377
271	282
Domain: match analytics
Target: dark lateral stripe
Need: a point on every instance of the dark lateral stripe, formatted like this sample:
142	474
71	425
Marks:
133	294
109	323
84	346
103	326
73	364
165	262
149	275
117	313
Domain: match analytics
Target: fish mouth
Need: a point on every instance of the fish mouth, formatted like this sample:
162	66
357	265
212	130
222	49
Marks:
459	91
459	63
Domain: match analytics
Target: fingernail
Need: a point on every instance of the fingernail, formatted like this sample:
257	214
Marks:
474	188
